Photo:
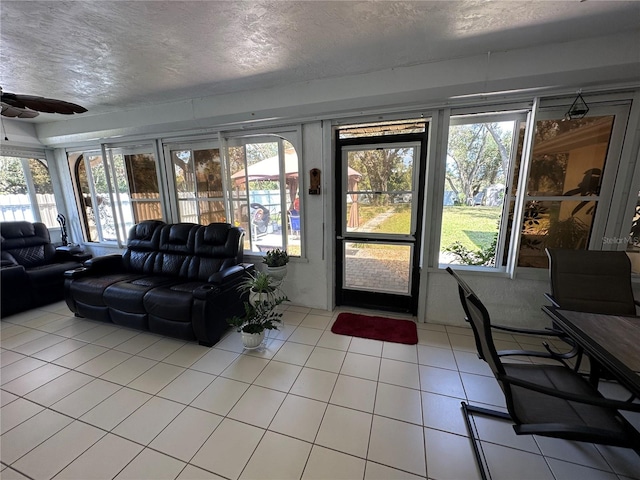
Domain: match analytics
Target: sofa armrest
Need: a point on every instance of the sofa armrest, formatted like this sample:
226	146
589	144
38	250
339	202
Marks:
206	292
105	264
227	275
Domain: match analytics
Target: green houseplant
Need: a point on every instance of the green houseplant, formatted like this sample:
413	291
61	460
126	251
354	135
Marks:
260	311
276	261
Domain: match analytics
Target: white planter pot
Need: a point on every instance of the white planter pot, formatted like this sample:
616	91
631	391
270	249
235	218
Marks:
252	340
277	272
256	297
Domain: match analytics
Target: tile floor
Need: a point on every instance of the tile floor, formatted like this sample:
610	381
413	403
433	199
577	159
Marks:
82	400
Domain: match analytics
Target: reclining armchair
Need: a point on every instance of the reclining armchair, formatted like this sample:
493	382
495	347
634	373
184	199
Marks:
32	269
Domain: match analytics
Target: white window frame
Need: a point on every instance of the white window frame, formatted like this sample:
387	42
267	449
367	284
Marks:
24	158
465	118
294	136
106	152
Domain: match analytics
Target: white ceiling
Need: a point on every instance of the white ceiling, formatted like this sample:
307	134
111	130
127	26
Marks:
108	55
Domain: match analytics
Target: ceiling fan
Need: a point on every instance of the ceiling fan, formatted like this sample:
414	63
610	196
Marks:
28	106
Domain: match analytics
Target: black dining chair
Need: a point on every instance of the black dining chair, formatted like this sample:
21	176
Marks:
593	281
561	356
544	399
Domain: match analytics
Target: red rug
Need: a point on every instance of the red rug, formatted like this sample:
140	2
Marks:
376	328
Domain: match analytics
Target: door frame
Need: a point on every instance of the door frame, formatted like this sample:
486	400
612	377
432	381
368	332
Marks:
360	298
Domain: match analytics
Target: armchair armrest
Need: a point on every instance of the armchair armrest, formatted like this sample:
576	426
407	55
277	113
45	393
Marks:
63	256
11	273
549	332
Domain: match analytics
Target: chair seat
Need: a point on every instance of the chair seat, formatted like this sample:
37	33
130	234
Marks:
537	408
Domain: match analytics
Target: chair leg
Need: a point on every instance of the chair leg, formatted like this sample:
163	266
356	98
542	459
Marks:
469	410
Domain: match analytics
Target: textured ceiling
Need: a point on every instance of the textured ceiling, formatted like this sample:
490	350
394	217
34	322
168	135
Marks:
107	55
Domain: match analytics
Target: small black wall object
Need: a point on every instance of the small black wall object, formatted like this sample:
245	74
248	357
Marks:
314	181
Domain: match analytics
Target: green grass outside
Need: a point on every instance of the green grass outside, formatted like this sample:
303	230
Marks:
474	227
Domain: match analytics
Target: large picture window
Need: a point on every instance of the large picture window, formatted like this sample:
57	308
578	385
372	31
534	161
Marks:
26	192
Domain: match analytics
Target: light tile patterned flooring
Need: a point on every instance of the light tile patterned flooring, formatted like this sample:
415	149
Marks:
82	399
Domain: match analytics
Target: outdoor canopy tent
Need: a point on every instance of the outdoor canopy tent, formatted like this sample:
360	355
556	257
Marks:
268	169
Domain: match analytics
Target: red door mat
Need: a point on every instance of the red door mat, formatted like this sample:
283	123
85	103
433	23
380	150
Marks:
376	328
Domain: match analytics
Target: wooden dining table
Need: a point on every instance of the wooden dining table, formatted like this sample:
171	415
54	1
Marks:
612	342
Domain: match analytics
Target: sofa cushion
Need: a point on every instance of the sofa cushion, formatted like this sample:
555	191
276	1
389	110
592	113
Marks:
176	248
173	302
128	295
142	246
217	246
90	290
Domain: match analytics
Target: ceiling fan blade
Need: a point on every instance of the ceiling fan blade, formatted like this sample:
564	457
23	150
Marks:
15	112
42	104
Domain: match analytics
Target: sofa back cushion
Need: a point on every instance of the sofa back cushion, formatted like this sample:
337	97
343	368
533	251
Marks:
29	244
142	246
217	246
176	249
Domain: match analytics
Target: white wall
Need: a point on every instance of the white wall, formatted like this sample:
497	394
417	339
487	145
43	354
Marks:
589	63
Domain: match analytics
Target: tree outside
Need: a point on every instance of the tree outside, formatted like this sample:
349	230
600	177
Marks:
478	156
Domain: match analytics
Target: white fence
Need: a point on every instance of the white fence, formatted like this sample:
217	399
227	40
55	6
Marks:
18	207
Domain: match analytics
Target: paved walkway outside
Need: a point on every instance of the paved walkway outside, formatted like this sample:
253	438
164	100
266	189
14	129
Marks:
378	269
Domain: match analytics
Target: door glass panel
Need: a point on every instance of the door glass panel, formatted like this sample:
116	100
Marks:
379	190
378	267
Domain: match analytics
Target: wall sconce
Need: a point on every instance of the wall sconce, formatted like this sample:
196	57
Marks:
578	108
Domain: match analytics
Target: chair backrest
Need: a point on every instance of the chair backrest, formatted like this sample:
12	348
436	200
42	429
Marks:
217	246
142	246
477	314
591	281
26	243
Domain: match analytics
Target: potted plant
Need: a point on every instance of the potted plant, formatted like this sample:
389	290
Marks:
259	311
276	261
260	286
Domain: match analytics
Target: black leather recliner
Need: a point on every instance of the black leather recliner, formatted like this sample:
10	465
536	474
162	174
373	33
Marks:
32	269
173	279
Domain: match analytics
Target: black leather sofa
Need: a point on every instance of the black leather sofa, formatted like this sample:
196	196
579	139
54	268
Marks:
32	272
178	280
